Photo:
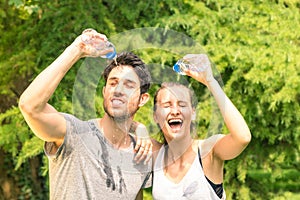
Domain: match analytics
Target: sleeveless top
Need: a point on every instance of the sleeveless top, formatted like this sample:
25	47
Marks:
194	184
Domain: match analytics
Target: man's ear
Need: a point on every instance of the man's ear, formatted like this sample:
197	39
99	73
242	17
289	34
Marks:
103	90
144	98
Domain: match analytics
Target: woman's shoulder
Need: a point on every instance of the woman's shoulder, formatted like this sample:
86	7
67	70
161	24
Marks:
206	145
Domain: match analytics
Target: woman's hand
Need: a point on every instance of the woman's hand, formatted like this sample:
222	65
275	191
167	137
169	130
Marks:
202	64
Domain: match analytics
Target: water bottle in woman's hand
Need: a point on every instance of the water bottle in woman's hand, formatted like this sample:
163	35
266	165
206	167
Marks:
193	62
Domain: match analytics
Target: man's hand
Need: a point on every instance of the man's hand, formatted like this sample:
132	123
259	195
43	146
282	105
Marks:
92	44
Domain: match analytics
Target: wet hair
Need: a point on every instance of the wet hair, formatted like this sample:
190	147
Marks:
174	84
192	97
140	68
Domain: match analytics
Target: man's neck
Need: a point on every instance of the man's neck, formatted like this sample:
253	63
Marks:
116	132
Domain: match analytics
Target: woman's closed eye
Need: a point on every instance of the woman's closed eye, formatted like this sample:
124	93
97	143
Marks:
183	104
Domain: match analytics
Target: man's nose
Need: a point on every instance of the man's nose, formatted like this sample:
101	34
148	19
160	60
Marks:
119	89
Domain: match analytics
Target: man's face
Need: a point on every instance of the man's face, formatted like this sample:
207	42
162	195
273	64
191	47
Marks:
122	93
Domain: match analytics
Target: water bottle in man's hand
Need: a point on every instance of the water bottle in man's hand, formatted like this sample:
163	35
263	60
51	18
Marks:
90	37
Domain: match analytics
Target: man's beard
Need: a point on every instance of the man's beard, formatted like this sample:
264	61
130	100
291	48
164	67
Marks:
120	117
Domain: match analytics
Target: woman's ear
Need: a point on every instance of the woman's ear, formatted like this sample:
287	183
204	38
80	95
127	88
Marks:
193	115
154	117
144	98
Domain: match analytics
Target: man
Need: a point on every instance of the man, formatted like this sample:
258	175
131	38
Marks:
91	159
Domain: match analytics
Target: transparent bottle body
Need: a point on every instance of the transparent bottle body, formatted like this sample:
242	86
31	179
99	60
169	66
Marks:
193	62
180	66
101	46
110	55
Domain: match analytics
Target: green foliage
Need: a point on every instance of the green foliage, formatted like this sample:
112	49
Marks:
254	46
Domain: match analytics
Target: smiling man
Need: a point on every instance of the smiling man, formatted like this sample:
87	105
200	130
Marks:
91	159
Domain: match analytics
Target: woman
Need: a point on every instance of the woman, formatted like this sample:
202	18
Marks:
186	168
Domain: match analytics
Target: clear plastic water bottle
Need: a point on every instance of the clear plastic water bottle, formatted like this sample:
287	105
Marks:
101	46
110	55
193	62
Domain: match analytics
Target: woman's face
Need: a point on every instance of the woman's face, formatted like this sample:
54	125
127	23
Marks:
174	112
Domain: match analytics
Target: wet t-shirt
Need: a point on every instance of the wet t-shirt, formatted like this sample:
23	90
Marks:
86	166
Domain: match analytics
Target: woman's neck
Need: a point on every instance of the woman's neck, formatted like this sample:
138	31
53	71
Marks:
179	149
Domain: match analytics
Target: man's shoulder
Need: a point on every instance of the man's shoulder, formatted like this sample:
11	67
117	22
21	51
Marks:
80	125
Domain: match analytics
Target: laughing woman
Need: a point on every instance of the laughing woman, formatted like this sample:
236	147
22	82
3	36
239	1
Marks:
186	168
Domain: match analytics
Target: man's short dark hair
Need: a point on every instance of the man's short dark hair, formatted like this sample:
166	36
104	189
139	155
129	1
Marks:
140	68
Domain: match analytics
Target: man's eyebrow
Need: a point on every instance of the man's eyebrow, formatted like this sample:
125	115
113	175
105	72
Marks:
130	81
126	80
113	78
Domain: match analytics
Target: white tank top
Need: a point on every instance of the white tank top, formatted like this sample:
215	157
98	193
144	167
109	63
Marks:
194	185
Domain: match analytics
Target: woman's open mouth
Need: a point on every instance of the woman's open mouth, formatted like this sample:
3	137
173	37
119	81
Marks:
175	124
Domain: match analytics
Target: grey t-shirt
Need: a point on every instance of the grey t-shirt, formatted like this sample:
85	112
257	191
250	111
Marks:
86	166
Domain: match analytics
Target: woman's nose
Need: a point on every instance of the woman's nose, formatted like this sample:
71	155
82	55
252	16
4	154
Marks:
175	109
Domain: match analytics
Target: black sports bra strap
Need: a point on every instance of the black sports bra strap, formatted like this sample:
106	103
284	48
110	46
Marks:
132	140
218	188
199	156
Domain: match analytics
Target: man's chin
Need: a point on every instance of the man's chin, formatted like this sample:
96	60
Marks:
120	117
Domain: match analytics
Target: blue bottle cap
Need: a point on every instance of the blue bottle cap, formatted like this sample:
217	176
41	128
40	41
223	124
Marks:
111	55
176	68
